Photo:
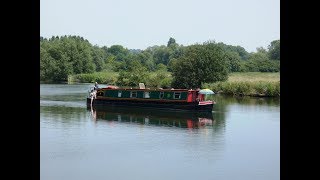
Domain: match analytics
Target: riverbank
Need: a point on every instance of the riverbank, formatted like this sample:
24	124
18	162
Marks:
249	84
238	84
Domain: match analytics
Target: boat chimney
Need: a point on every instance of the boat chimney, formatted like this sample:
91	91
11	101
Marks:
142	86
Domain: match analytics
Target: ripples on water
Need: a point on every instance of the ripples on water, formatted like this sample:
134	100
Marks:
239	140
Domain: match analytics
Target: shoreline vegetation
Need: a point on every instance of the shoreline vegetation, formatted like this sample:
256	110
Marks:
226	69
256	84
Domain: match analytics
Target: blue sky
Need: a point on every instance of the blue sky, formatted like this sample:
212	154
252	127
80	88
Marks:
138	24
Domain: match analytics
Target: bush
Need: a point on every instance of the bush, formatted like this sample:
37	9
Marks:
246	88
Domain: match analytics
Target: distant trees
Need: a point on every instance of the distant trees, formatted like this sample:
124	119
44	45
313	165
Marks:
171	42
233	61
190	66
62	56
118	51
261	62
237	49
274	50
99	57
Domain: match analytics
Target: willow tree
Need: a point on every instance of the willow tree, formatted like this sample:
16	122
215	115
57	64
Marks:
200	64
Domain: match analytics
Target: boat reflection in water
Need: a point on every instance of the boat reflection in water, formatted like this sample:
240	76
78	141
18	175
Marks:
173	118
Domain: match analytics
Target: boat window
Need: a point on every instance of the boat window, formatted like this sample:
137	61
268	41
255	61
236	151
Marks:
146	95
119	93
161	95
177	95
133	94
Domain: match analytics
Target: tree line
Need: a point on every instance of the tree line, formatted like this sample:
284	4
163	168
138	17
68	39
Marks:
190	66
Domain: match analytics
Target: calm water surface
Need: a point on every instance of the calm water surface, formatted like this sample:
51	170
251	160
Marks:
239	140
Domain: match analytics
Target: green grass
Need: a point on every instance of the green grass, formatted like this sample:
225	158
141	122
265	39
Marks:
254	77
248	84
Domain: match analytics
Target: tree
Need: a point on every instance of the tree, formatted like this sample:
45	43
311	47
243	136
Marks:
171	42
161	67
259	62
146	59
233	61
262	50
134	74
238	49
99	57
47	65
200	64
259	56
274	50
118	51
161	54
63	56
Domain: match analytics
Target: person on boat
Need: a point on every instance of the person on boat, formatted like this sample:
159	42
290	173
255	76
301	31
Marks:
96	87
93	95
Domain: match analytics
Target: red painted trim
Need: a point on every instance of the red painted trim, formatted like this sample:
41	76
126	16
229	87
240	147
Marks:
205	102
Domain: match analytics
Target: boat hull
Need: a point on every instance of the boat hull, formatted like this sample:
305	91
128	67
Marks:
189	106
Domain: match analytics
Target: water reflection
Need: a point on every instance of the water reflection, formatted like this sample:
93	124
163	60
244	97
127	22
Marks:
153	117
224	100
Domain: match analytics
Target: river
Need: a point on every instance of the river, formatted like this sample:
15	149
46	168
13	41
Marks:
240	140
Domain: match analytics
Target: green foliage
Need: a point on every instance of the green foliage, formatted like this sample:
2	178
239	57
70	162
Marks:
133	74
248	84
164	54
146	59
161	54
259	56
171	41
259	62
261	50
171	64
233	61
161	67
246	88
65	56
254	77
99	57
237	49
118	51
62	56
200	64
47	65
100	77
274	50
159	79
260	66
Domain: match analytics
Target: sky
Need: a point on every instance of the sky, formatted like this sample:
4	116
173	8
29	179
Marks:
138	24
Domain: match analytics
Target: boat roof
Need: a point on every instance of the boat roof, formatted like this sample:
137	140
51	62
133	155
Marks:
146	89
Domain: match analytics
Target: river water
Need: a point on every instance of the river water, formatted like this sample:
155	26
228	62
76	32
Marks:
239	140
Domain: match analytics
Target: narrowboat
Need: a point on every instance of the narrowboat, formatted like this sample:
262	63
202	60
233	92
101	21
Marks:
178	99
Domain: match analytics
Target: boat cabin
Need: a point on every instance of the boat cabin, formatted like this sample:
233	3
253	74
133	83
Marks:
150	94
